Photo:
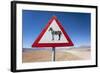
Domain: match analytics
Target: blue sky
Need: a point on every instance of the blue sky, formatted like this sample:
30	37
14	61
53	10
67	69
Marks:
77	25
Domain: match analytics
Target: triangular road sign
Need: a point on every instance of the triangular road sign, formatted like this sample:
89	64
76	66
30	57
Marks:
53	35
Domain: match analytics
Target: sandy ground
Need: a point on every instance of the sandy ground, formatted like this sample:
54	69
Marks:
61	55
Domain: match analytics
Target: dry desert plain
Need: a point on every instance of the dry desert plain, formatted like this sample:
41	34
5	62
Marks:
43	55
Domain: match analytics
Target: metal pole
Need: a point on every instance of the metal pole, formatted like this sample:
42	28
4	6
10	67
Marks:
53	54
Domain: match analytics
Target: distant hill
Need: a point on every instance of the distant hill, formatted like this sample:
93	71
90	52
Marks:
59	48
83	47
30	49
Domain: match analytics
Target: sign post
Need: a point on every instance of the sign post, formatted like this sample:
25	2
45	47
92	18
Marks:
53	35
53	54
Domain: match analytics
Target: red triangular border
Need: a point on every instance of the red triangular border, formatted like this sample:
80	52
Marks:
37	44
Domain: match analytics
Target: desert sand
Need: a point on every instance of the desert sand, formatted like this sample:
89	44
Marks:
61	55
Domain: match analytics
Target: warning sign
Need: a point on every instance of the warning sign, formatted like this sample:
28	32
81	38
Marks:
53	35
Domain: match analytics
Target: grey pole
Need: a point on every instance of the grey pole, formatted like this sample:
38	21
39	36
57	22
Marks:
53	54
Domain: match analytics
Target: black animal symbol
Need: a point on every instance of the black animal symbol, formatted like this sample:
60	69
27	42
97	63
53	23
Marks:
55	33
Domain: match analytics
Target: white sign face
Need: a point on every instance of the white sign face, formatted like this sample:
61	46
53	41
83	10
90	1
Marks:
53	34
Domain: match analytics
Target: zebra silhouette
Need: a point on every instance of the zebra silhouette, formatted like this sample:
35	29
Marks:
55	33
